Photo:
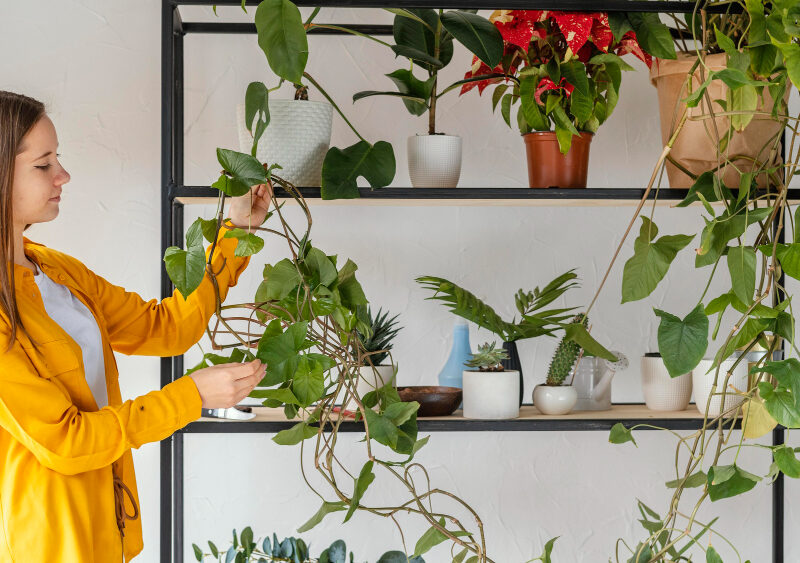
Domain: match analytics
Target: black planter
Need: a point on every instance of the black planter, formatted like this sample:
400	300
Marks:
513	363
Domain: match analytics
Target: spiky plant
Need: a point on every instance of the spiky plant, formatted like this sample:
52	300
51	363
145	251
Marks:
379	340
564	357
487	358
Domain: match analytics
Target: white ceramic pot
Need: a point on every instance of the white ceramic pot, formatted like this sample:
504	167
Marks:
491	394
434	161
370	378
703	381
662	392
554	399
298	137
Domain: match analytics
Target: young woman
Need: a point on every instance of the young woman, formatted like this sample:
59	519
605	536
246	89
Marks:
67	485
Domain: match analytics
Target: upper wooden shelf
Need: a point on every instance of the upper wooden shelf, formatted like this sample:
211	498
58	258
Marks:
272	420
469	196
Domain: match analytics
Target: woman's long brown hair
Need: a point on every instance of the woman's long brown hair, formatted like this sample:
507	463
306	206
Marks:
18	115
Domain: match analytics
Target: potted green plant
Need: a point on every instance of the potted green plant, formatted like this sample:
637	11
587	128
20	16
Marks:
245	549
535	321
426	38
298	135
490	390
555	396
731	98
565	71
375	342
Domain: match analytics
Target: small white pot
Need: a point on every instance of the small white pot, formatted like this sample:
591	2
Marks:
491	394
554	399
703	381
370	378
298	137
662	392
434	161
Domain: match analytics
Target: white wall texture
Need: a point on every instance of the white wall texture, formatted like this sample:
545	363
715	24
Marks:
97	67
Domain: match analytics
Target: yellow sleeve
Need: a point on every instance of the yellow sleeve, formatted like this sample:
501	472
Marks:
38	414
174	325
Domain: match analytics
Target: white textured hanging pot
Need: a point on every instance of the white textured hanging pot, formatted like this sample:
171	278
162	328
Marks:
297	138
434	161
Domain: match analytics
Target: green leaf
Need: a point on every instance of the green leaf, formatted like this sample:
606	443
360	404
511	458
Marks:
682	343
320	267
417	55
548	550
565	129
650	261
725	42
342	167
412	32
619	23
653	36
619	435
782	401
279	281
308	381
744	102
726	481
578	333
256	104
279	350
787	461
294	435
396	427
231	186
209	228
248	244
742	268
530	108
350	291
477	34
692	481
186	268
706	185
365	478
410	85
282	38
575	73
712	556
282	395
198	553
430	539
245	169
213	548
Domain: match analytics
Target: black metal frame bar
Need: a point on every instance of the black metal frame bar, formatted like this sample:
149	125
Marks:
173	30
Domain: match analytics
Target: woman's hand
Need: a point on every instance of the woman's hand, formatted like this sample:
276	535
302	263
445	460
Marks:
224	385
249	210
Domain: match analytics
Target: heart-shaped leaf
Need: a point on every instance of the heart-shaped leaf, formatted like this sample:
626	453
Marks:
682	342
342	167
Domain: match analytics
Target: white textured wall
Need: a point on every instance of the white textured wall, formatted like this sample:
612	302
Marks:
97	67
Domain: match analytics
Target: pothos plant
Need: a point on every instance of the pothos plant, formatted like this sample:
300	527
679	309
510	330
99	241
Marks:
565	70
743	240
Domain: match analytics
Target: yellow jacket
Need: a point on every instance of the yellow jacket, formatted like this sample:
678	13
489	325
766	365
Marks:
59	453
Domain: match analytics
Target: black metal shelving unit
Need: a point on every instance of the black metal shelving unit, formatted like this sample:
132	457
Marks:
175	195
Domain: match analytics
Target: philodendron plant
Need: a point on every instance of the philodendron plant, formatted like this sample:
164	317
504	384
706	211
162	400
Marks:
743	240
425	37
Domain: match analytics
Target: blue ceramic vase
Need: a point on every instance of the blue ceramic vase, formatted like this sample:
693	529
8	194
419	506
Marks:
453	369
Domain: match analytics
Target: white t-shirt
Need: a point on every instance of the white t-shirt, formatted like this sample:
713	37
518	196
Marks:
73	316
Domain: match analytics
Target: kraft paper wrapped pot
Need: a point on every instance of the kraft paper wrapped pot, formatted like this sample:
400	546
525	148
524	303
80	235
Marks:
695	147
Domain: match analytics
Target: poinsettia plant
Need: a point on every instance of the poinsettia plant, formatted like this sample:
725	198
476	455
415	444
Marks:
564	68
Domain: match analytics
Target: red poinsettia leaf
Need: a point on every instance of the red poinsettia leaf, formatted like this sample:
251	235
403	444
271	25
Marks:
629	44
479	68
517	27
576	27
544	85
601	34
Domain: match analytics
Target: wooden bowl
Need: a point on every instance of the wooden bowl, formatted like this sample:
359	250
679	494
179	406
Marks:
433	400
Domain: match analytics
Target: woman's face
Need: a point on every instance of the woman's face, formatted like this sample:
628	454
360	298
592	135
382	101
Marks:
38	176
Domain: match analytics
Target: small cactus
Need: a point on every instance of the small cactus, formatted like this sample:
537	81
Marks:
565	356
487	358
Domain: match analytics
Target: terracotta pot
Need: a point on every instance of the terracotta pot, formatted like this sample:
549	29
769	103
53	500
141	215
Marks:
695	147
547	167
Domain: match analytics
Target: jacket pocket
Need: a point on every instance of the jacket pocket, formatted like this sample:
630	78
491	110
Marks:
54	358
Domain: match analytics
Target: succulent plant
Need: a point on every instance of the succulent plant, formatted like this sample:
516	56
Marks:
564	357
379	339
488	358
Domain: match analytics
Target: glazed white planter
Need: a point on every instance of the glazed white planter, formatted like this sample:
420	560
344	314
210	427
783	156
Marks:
434	161
662	392
298	137
491	394
554	399
702	382
370	378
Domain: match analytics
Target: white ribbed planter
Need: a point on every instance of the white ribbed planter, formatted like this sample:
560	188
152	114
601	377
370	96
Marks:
554	399
434	161
702	382
298	137
370	379
662	392
491	394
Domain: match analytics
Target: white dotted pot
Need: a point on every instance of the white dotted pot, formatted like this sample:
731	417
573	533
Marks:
297	138
661	391
703	381
554	399
370	378
491	394
434	161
